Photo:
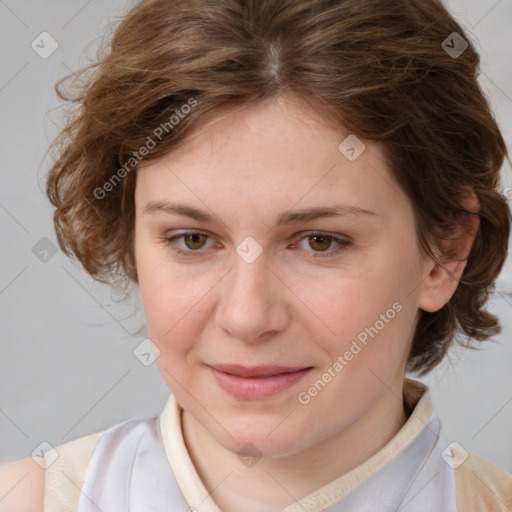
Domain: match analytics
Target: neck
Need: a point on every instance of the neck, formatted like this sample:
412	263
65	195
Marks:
272	484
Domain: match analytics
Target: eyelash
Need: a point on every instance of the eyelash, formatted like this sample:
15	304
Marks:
343	244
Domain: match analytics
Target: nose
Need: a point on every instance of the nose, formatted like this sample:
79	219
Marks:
253	306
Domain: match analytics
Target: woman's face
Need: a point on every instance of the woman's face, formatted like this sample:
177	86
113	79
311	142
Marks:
276	323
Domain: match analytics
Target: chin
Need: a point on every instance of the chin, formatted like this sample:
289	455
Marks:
258	438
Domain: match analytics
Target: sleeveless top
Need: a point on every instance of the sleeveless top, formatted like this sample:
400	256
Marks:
143	466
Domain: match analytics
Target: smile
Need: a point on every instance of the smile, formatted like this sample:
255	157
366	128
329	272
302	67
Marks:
257	382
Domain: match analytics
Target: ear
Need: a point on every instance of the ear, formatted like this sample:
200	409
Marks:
443	278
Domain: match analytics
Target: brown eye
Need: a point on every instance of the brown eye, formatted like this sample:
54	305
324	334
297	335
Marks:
195	241
320	242
189	243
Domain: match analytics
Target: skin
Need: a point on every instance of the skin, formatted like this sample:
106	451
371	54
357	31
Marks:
287	307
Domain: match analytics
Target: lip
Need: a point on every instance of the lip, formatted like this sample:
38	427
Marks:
256	382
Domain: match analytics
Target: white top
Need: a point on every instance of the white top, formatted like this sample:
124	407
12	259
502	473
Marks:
144	465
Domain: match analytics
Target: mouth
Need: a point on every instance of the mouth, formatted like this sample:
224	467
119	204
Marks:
256	382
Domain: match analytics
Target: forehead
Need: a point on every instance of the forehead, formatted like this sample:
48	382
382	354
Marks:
282	151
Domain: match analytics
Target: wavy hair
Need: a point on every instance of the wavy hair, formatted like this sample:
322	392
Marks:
379	66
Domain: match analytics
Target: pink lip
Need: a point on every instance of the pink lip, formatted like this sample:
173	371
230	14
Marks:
251	383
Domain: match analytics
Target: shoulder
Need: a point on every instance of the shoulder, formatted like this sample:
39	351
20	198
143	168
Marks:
51	482
22	486
65	474
480	484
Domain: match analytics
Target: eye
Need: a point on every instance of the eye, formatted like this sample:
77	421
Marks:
194	242
320	242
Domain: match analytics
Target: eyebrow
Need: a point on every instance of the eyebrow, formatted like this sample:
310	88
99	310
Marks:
287	217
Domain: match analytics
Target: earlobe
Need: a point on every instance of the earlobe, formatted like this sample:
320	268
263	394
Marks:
453	252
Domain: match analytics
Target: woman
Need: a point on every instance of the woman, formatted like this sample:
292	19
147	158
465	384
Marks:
305	195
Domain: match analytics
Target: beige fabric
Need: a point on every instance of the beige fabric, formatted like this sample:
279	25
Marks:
65	477
480	485
191	486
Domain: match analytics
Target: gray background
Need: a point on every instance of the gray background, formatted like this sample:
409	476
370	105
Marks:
67	367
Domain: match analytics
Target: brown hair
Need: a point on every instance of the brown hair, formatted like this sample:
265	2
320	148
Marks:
377	65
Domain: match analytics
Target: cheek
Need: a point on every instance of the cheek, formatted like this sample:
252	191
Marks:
345	302
174	303
159	292
169	309
365	315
